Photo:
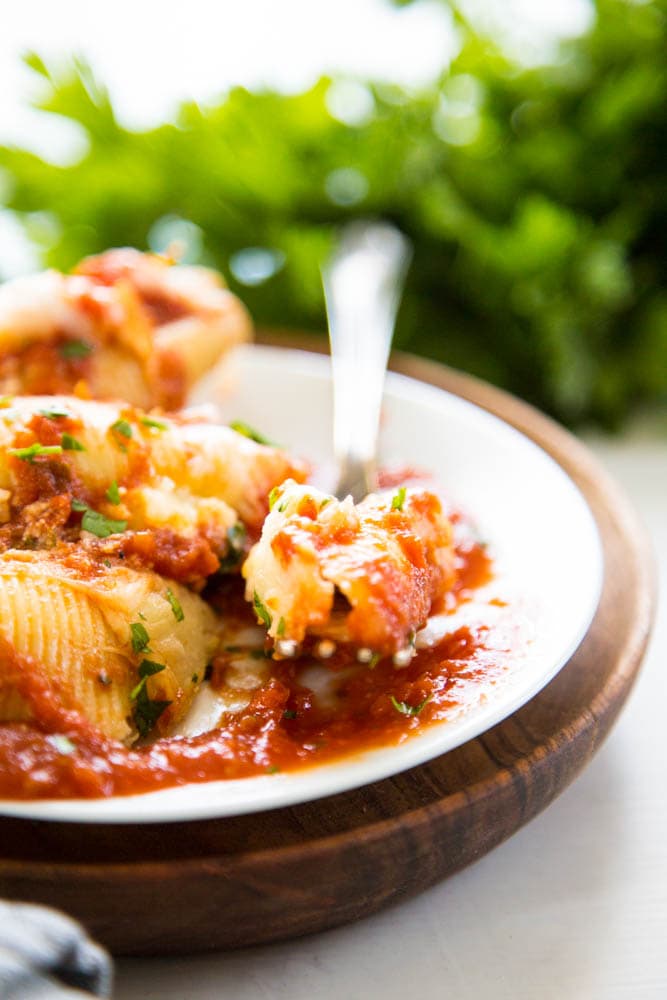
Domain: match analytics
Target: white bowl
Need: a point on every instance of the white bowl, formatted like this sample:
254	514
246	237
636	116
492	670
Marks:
540	531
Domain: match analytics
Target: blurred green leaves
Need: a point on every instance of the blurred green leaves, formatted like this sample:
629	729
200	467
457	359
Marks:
535	199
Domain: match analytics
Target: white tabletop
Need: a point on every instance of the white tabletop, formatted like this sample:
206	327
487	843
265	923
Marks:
573	907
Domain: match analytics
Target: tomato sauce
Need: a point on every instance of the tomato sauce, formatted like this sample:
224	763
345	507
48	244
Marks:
284	727
45	369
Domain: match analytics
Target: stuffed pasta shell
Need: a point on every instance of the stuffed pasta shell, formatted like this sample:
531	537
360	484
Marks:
176	496
368	574
125	325
122	647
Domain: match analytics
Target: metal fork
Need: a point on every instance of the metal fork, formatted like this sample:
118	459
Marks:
362	287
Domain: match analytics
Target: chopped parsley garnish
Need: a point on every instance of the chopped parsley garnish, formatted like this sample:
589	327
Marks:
157	425
62	744
273	496
75	349
399	499
289	713
280	631
70	443
260	610
146	669
149	667
242	428
98	524
194	678
236	536
175	605
123	428
35	450
140	638
405	709
374	660
260	654
113	494
146	711
273	769
54	414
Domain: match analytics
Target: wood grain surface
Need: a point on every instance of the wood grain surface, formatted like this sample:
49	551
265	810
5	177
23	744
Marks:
148	890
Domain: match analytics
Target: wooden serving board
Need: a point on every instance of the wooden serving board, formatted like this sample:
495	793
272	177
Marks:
148	890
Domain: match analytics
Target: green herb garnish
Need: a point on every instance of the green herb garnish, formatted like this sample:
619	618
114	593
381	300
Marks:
194	678
123	428
70	443
149	667
75	349
399	499
405	709
289	713
113	493
146	669
236	537
242	428
273	769
175	605
54	414
79	505
98	524
374	660
146	711
260	654
273	496
140	638
157	425
34	451
280	631
261	610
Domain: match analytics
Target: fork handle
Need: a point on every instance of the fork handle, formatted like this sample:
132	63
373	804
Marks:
362	286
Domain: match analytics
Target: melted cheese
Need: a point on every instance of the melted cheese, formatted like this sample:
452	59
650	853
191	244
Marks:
391	566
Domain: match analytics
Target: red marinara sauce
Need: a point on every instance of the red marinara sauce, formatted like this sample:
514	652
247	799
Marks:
283	728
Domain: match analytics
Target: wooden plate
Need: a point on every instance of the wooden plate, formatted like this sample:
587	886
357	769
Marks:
148	890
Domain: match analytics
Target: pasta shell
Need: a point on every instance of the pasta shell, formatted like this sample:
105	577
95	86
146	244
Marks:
151	329
76	627
195	479
369	574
